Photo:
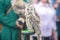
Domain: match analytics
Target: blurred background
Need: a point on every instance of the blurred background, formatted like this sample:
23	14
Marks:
56	5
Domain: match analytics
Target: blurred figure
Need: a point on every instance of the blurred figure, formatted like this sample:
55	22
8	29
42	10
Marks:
52	2
47	17
57	6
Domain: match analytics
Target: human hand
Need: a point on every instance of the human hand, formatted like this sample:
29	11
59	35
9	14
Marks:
19	25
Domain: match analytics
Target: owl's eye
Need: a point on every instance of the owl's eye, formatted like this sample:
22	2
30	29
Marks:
28	9
31	9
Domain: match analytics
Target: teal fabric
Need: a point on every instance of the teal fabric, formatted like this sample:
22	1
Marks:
10	19
26	0
9	28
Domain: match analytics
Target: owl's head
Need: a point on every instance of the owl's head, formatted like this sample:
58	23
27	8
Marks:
30	9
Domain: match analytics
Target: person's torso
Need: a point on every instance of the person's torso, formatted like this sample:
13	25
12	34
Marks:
46	14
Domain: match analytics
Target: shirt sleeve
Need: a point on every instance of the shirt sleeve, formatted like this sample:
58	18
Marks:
54	20
5	19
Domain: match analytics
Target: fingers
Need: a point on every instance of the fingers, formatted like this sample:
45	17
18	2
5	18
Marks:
19	26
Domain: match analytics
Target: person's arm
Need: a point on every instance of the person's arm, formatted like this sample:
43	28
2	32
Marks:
54	32
19	25
54	22
7	20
